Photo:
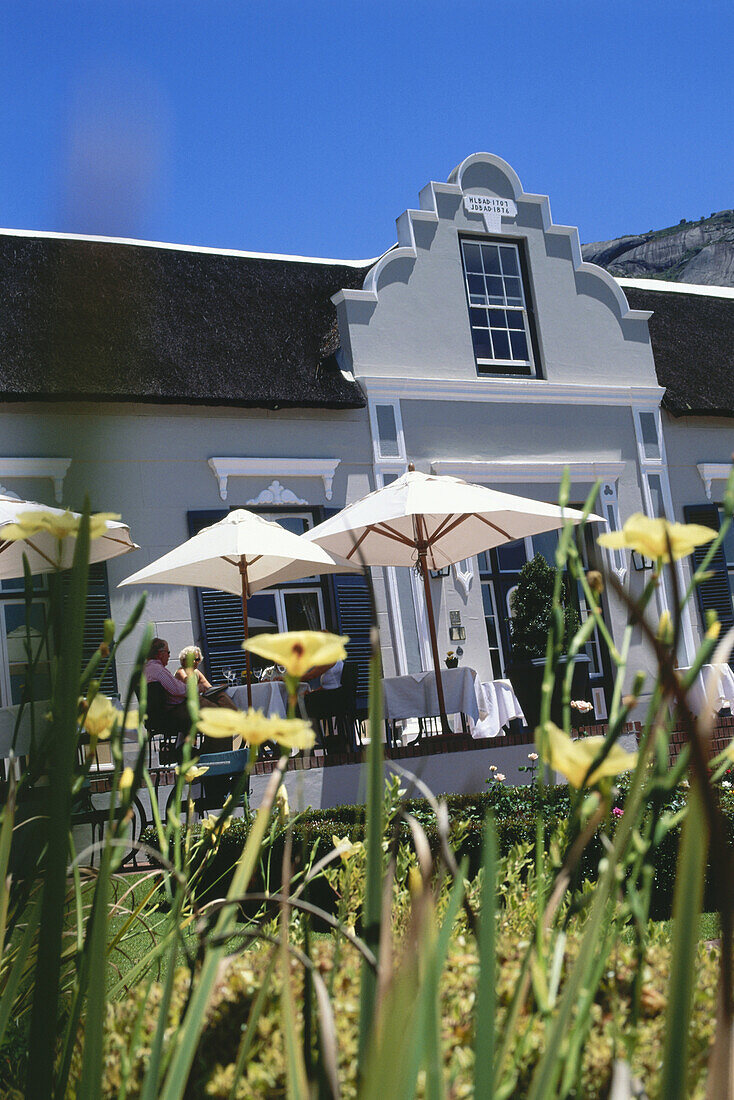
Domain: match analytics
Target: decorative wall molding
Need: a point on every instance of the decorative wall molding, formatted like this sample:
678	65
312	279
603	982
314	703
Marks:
52	468
712	471
225	468
509	390
545	471
464	575
277	494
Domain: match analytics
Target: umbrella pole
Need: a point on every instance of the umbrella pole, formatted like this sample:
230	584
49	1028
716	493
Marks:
423	563
245	593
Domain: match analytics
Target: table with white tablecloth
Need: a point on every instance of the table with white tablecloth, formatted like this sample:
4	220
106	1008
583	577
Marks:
715	682
498	705
487	706
269	696
415	696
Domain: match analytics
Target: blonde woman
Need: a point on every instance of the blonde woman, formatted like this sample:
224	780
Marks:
190	659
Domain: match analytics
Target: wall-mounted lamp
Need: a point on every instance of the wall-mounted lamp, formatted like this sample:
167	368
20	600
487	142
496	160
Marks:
440	572
640	563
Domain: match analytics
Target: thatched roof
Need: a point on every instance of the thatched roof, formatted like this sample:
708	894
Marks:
693	343
106	320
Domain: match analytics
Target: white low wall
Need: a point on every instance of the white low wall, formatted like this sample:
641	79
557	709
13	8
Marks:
444	773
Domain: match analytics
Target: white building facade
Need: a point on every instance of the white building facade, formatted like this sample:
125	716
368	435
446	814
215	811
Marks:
174	384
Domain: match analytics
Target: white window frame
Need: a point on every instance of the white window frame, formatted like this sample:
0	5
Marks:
658	467
488	582
280	609
388	462
616	559
523	367
396	615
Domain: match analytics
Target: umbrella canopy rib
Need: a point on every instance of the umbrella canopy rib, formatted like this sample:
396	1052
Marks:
449	524
391	533
357	544
500	530
40	552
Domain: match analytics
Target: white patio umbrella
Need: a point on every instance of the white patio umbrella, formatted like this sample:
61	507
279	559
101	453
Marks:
242	553
42	549
432	521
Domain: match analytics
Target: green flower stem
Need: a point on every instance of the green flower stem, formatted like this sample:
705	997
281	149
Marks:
62	755
193	1022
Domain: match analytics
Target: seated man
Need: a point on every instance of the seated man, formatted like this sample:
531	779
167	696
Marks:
175	689
155	671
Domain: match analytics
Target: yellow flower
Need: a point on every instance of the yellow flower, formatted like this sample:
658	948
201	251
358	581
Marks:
665	628
210	823
192	774
58	524
283	805
126	779
650	537
101	717
574	758
347	849
298	651
254	728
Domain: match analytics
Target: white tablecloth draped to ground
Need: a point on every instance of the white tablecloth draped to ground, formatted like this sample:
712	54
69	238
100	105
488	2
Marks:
717	680
498	705
488	706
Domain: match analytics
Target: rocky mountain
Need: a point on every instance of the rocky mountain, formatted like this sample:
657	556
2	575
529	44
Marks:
691	252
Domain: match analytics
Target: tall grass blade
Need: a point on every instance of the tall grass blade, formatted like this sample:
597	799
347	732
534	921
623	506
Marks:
6	837
296	1079
486	1004
61	757
152	1073
373	844
193	1022
412	1007
90	1084
686	910
252	1022
7	1000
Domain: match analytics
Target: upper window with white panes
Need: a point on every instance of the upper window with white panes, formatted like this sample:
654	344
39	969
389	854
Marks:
498	307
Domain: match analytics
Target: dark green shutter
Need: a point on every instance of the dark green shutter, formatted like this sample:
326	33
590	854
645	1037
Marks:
714	594
97	610
354	617
220	614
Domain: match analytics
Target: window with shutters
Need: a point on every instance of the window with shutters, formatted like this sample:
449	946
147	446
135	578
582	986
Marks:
21	627
354	617
98	609
715	593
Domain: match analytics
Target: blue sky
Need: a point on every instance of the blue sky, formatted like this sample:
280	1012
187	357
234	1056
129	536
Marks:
307	127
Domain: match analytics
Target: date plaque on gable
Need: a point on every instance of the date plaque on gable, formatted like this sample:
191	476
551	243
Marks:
488	204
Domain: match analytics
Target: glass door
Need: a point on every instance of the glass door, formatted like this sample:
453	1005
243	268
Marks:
17	631
280	609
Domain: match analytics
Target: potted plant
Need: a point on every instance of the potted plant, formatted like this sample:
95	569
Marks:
451	660
531	605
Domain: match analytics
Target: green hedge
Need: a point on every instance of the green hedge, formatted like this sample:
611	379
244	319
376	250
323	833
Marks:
515	808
